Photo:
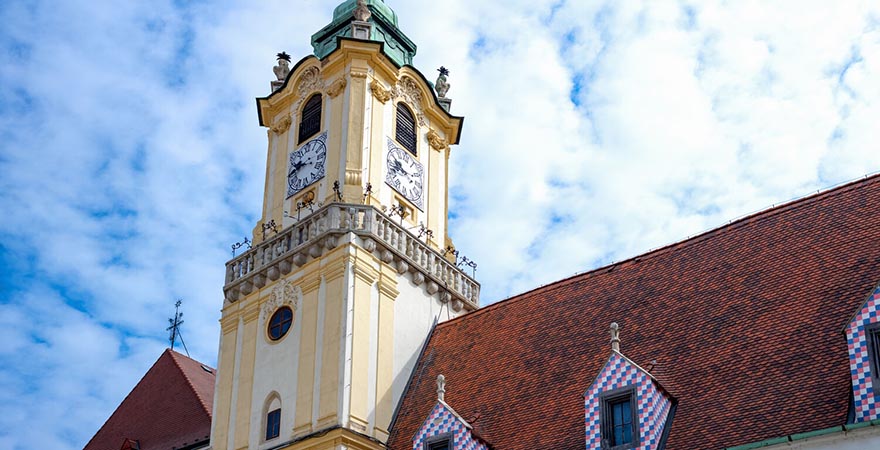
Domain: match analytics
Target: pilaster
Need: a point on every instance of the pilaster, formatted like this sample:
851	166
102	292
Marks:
356	123
334	281
307	355
365	275
249	316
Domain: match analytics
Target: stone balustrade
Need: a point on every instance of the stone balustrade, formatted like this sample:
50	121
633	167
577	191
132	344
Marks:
378	233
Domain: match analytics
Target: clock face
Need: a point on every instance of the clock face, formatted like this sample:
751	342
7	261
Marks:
306	164
404	174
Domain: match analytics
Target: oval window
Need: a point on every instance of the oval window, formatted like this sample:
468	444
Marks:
280	323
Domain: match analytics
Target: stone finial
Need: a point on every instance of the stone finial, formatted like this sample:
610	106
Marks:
441	387
615	336
442	86
361	12
283	67
281	70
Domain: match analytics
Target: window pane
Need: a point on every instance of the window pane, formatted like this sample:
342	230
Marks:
273	424
280	323
621	421
626	413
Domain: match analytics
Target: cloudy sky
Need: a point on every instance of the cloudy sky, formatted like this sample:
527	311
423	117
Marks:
131	158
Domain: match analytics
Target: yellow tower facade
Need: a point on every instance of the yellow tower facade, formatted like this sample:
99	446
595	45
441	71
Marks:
351	264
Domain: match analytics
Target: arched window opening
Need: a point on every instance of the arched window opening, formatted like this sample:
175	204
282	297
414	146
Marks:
406	128
311	118
272	411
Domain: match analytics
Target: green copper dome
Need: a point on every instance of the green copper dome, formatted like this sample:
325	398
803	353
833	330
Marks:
397	46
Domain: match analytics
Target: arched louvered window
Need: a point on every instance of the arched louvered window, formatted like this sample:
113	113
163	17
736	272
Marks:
406	128
311	118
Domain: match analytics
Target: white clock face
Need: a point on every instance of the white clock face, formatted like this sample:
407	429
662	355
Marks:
306	164
404	174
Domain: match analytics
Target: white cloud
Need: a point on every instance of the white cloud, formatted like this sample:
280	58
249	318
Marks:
131	156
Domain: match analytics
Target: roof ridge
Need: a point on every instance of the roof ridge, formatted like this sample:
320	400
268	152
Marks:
186	377
733	224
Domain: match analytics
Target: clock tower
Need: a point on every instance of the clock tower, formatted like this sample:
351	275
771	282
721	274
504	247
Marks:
351	266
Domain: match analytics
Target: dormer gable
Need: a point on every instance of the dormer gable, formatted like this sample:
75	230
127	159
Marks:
626	407
863	344
444	424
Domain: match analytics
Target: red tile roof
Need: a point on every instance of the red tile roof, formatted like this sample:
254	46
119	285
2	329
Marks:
744	322
169	408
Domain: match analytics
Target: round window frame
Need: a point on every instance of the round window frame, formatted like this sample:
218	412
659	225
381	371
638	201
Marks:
270	324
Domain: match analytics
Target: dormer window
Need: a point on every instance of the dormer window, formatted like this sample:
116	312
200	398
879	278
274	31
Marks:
439	443
406	128
872	333
863	342
619	420
310	123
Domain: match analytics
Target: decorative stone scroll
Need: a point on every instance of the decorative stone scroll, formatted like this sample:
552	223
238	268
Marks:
381	94
408	90
284	294
336	88
282	124
436	142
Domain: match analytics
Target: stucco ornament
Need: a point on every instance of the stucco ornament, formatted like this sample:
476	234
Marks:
282	125
310	81
362	13
441	85
381	94
283	68
284	294
436	142
336	88
408	90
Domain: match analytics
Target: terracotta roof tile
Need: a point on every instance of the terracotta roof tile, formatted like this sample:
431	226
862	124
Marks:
744	320
170	407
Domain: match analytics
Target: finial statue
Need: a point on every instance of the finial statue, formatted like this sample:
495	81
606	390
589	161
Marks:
442	86
615	336
361	12
441	387
283	67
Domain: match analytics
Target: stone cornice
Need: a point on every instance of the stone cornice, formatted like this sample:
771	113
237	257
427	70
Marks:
375	232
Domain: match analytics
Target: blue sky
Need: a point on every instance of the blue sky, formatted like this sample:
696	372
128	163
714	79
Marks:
131	157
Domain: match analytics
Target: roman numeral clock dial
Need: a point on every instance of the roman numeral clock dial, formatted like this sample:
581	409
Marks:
306	164
405	174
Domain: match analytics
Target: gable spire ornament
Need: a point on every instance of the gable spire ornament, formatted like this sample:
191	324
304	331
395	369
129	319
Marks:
615	337
441	387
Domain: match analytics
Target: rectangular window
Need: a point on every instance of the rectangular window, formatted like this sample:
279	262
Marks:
442	445
620	429
273	424
439	442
